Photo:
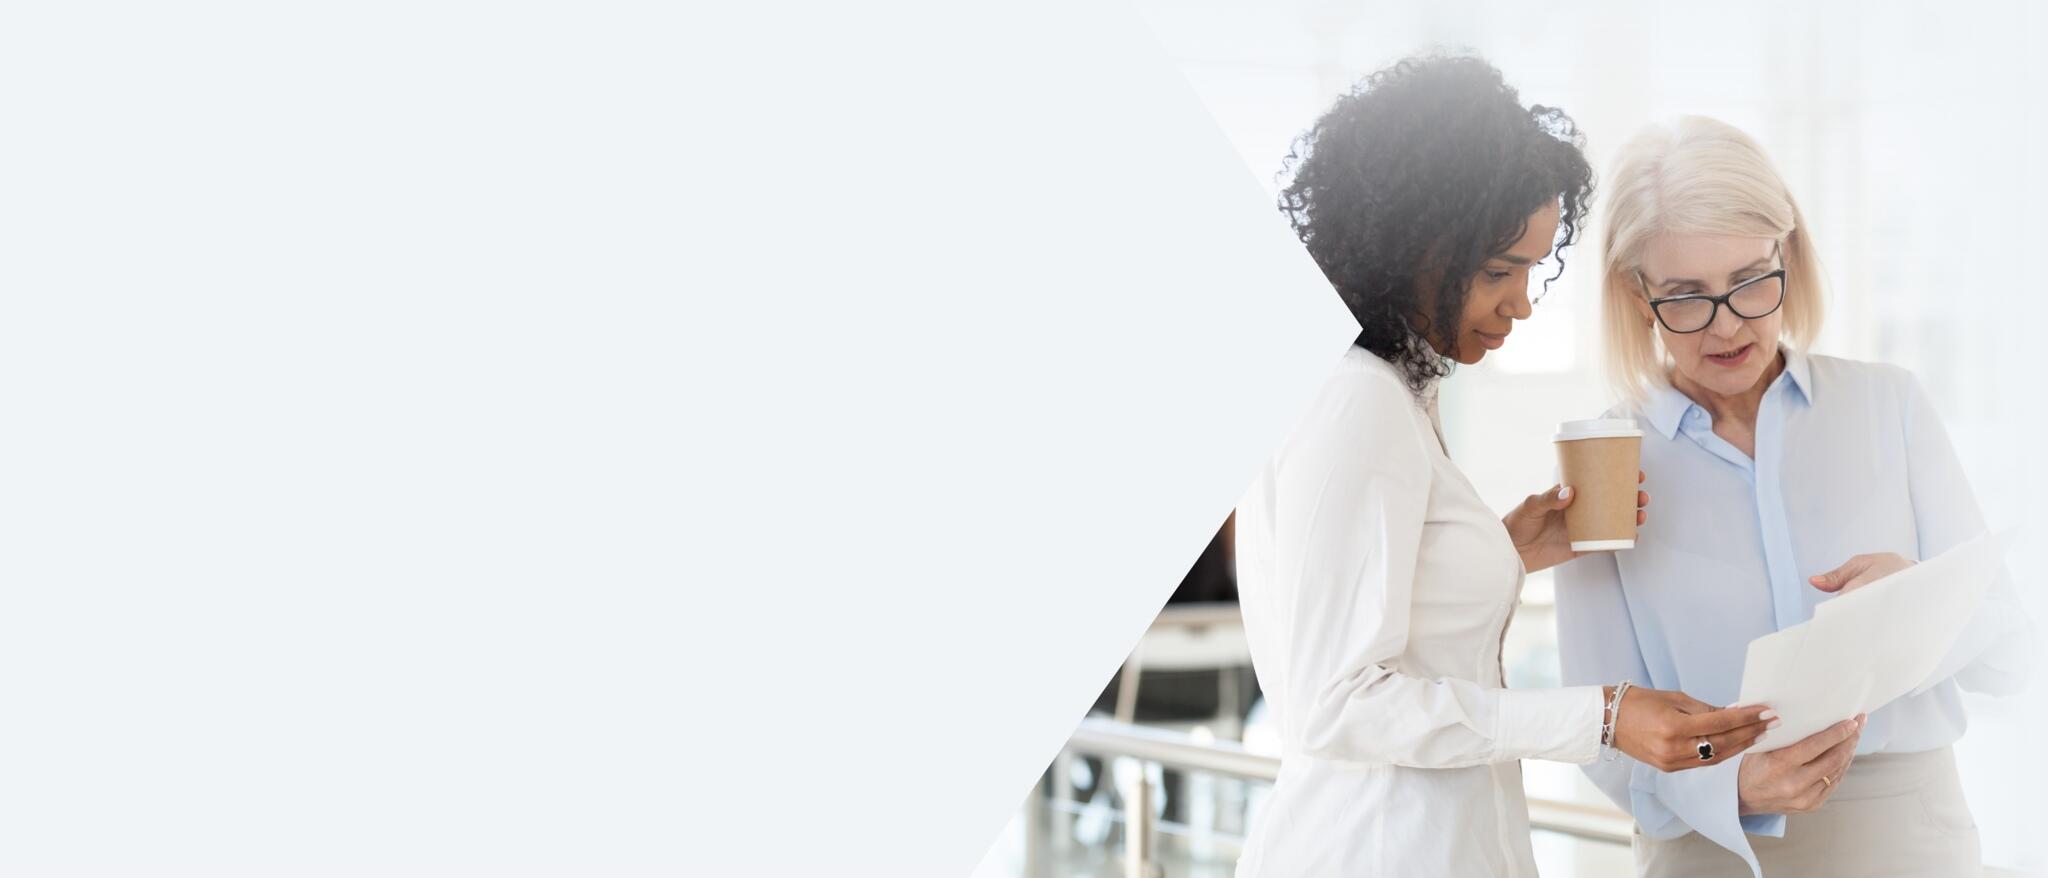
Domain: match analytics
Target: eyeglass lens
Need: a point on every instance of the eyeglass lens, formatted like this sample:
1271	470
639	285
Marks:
1755	300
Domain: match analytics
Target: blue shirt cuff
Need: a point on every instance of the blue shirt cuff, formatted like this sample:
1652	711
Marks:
1772	825
1701	800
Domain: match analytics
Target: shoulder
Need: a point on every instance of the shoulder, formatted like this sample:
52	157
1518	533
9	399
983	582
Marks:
1621	410
1841	378
1857	373
1363	377
1364	410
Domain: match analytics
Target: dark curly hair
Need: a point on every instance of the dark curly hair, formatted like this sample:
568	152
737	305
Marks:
1419	174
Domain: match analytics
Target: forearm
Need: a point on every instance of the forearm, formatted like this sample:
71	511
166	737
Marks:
1381	716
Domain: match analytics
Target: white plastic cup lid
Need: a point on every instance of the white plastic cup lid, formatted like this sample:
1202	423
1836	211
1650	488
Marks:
1598	428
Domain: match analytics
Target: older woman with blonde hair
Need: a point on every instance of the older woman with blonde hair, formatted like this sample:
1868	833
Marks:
1784	478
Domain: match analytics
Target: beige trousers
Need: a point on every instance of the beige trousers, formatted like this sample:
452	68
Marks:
1894	814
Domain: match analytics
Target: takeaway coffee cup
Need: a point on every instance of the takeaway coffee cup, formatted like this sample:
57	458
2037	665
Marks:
1600	459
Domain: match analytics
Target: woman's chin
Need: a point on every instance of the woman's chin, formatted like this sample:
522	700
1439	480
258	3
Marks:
1722	381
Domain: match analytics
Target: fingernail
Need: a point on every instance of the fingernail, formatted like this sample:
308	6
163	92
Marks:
1565	494
1774	724
1768	714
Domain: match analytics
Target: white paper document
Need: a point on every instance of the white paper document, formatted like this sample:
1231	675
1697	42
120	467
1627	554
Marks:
1863	649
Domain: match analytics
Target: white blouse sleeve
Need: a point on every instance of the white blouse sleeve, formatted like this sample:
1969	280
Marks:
1350	500
1995	653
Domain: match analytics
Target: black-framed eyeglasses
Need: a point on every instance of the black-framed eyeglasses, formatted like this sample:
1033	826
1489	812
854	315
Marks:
1691	312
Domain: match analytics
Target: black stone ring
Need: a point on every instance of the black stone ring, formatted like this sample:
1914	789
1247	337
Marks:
1706	749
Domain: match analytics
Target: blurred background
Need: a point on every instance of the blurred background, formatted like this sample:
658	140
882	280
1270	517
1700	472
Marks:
1912	137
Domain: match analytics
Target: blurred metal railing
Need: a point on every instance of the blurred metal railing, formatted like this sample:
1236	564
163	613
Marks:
1170	750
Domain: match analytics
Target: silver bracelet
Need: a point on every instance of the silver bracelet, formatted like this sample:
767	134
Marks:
1608	751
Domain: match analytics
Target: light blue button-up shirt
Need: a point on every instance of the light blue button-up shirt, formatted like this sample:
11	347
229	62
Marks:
1850	458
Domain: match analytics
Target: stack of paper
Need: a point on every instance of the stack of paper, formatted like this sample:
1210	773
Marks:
1863	649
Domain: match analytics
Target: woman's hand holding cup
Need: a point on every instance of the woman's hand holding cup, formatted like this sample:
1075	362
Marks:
1538	529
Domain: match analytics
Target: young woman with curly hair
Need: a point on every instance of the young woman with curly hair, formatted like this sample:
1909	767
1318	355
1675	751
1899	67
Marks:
1375	584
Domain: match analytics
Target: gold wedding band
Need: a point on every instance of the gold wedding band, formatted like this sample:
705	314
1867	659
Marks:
1827	783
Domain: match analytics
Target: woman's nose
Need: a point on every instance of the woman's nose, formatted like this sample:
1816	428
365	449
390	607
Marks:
1516	305
1726	322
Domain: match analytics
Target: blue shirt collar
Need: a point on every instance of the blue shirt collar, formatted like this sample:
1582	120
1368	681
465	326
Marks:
1796	365
1666	406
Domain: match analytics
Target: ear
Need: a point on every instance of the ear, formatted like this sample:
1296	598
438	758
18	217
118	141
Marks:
1643	309
1429	276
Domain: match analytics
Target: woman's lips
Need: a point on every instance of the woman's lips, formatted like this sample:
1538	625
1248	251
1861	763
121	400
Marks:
1491	341
1732	358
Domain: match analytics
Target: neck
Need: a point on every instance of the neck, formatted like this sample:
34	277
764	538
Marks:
1740	407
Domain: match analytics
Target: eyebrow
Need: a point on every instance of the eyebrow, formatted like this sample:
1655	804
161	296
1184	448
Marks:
1512	259
1761	262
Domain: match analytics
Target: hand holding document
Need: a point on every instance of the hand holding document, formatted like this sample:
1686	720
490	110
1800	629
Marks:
1865	648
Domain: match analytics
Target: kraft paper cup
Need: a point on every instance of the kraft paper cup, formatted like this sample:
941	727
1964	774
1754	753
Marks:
1600	459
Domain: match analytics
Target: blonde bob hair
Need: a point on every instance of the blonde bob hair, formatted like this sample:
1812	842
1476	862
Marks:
1694	176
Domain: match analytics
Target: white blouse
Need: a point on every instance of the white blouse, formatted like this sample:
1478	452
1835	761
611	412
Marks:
1376	588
